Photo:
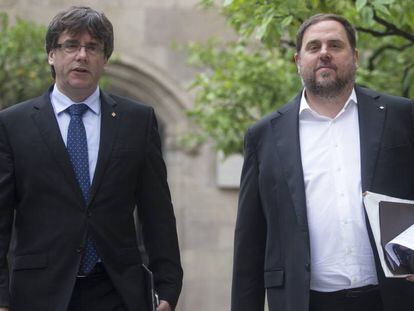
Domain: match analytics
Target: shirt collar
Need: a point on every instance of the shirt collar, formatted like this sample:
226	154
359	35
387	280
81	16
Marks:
304	106
61	102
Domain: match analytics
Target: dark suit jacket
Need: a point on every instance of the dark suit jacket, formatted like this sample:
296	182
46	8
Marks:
271	250
38	183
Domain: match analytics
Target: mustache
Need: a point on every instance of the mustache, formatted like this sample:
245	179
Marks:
326	65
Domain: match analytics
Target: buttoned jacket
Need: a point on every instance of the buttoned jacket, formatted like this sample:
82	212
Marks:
38	185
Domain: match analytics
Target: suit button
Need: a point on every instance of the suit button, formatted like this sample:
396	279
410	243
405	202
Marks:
79	249
307	267
88	213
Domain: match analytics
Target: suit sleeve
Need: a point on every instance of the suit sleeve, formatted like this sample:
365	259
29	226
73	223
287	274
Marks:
7	198
250	238
156	213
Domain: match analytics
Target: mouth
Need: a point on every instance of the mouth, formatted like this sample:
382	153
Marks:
80	70
332	67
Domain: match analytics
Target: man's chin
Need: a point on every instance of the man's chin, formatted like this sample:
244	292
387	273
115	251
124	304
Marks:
326	81
81	85
326	89
324	73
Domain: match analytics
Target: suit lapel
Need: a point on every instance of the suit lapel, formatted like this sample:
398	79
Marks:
44	118
110	120
371	114
285	129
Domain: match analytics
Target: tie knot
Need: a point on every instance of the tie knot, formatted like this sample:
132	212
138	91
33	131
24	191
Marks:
77	109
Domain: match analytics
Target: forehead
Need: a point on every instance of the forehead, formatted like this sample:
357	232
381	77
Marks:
84	36
325	31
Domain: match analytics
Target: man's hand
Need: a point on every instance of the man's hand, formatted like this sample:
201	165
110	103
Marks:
4	309
409	278
163	306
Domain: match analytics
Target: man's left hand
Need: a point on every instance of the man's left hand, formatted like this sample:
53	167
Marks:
410	278
164	306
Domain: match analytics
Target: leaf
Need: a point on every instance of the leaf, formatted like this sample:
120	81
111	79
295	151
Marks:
360	4
287	21
381	8
367	15
262	29
384	2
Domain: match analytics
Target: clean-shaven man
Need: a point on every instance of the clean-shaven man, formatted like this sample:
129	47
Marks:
74	165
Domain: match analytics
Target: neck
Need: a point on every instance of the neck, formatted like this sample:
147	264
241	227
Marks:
79	97
328	106
76	95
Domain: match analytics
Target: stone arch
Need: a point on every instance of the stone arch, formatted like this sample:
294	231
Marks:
141	81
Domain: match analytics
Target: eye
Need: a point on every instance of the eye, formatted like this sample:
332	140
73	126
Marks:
336	44
92	48
71	45
313	47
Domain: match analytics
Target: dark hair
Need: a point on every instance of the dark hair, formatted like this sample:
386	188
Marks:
349	29
76	20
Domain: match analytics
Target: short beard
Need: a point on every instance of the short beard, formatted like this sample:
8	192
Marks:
331	89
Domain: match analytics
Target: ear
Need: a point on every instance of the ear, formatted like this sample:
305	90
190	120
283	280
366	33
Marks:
356	56
296	58
51	57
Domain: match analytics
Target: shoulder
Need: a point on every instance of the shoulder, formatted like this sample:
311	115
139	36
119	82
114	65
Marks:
20	110
126	103
291	107
260	133
382	97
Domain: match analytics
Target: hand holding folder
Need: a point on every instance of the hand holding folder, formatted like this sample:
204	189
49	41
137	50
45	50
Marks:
390	218
397	235
152	296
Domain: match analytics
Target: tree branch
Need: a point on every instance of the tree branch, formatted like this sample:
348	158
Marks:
375	33
393	29
382	49
390	29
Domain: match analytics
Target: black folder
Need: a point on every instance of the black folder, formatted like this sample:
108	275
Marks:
395	218
152	297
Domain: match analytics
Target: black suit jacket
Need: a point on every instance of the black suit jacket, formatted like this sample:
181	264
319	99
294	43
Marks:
271	250
38	183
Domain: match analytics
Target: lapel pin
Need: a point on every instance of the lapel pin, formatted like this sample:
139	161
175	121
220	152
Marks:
113	114
381	107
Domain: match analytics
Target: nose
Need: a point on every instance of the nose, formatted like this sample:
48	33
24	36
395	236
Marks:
81	53
324	53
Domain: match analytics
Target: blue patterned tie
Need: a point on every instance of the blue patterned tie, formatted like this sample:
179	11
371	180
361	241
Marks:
78	152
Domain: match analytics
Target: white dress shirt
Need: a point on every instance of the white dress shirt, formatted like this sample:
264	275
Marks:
341	254
91	120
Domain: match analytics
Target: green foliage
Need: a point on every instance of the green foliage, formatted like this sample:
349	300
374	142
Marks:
244	80
237	89
24	71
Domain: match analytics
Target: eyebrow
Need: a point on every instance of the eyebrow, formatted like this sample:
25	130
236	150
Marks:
93	41
318	42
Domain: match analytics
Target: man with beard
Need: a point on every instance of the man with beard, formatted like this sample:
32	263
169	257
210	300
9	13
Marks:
301	234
